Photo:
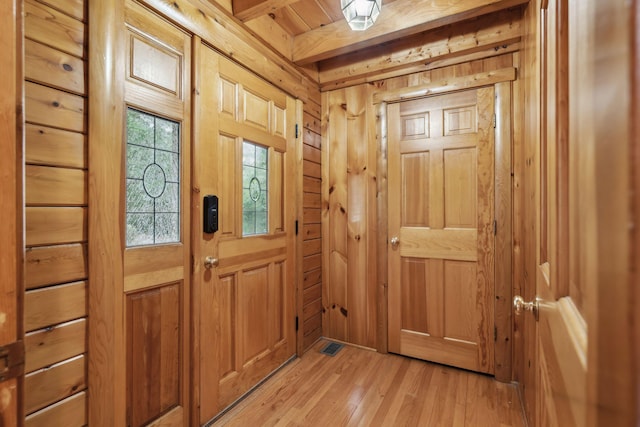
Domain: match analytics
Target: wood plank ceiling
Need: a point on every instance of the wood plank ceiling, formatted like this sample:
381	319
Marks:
313	34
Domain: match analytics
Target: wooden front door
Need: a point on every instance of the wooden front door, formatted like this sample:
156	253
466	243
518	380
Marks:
441	238
243	154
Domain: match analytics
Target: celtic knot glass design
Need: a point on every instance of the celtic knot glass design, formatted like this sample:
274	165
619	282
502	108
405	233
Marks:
153	179
255	187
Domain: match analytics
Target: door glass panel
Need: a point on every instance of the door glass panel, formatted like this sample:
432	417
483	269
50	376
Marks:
254	189
153	179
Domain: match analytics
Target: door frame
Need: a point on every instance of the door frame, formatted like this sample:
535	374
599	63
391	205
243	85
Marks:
11	200
502	82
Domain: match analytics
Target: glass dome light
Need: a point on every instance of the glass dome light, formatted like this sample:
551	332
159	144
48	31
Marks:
360	14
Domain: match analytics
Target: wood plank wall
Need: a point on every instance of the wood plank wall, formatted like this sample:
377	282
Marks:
311	321
56	213
349	212
349	170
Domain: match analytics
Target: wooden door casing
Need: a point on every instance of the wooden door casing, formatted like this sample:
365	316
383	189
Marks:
246	303
440	205
11	223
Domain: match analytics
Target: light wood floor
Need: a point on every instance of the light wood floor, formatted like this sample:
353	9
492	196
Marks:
362	388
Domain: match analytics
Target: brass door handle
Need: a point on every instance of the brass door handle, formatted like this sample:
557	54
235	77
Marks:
210	262
395	241
520	305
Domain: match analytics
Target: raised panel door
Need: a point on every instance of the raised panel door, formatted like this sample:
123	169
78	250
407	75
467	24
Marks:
441	188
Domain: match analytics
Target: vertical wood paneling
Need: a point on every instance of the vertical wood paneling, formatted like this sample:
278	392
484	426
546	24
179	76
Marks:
336	269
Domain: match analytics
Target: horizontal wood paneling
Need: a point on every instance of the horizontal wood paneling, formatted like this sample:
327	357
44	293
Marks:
312	200
312	336
311	247
70	412
311	169
312	309
44	64
48	226
47	265
312	228
73	8
312	262
57	382
54	147
312	293
47	346
55	304
312	138
53	28
311	231
311	185
54	186
313	324
52	107
312	215
312	277
312	122
310	153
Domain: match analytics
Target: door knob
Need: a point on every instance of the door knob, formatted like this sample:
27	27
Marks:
210	262
520	306
395	241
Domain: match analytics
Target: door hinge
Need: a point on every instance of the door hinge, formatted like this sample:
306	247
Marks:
296	323
296	227
11	360
495	333
495	227
297	135
494	120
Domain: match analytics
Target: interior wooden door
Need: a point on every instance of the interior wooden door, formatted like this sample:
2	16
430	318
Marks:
584	370
440	252
244	154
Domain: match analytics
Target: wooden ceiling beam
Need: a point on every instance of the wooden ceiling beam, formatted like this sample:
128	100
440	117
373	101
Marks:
246	10
399	19
477	35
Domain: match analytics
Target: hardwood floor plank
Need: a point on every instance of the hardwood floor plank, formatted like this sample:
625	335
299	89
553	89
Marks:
358	387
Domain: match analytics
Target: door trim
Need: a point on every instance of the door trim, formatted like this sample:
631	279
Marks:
442	87
501	80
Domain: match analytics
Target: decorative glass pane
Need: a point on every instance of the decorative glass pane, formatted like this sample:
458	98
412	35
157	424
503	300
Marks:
254	189
153	179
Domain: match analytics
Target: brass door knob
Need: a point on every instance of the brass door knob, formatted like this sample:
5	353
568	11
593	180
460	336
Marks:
210	262
395	241
520	306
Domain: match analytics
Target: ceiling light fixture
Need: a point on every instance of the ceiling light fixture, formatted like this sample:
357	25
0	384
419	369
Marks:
360	14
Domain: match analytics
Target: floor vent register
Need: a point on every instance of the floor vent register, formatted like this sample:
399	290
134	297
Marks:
331	349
